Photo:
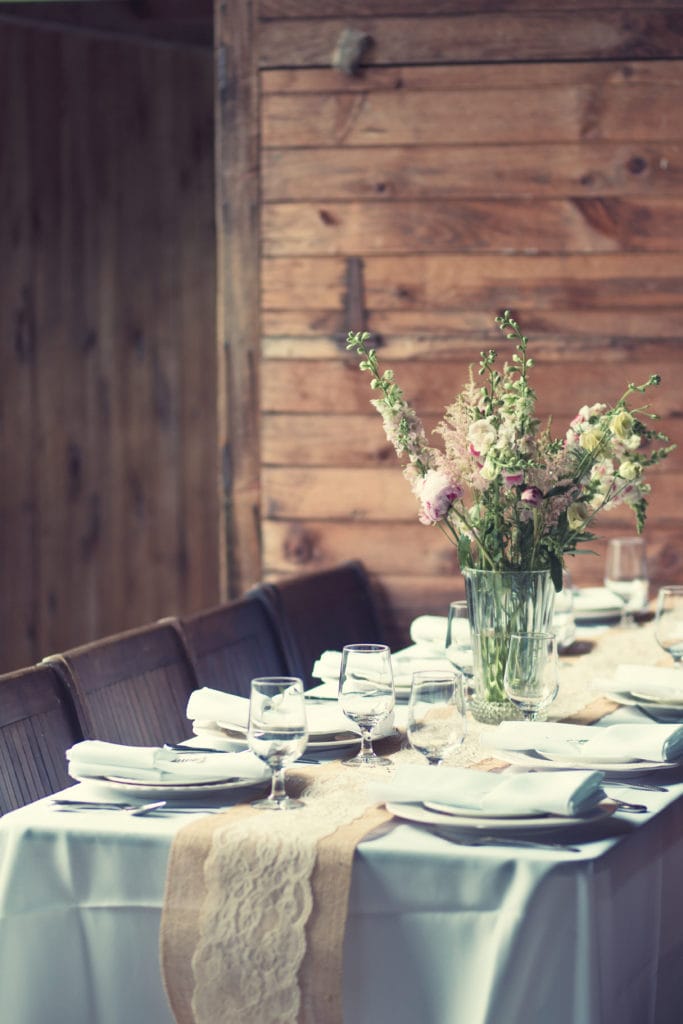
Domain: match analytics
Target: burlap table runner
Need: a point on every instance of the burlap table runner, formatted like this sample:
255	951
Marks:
221	959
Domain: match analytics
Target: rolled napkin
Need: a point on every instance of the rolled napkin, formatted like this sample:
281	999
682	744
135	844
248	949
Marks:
230	711
651	681
429	629
612	743
404	663
95	758
565	793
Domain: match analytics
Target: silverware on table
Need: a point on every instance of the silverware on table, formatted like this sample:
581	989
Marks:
485	839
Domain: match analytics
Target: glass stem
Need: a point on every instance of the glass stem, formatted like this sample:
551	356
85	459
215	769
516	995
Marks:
366	743
277	789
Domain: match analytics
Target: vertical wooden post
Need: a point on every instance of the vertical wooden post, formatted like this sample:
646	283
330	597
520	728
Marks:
237	227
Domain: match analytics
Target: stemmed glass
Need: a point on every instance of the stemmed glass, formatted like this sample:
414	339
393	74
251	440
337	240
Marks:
459	638
437	720
277	733
531	680
626	575
669	622
366	695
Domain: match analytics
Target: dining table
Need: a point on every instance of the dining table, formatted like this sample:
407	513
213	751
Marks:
442	926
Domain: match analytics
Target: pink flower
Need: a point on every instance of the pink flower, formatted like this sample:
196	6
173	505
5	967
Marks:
436	492
531	496
512	478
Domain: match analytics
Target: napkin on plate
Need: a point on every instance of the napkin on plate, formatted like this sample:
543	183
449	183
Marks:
564	793
429	629
209	706
95	758
625	743
650	681
404	663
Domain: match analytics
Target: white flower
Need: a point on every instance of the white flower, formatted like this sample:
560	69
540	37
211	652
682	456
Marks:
481	436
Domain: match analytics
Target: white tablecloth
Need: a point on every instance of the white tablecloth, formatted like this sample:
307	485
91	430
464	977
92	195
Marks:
437	933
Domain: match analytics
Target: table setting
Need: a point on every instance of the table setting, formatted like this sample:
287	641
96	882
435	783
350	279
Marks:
433	812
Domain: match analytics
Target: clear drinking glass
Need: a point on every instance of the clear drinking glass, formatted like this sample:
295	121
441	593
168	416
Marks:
459	639
669	622
366	695
626	575
277	732
437	718
531	680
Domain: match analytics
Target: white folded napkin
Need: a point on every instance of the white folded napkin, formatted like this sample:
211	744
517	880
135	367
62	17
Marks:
563	792
647	742
429	629
95	758
213	706
404	663
595	599
651	681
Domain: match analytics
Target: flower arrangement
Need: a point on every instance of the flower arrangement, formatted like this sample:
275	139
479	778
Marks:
506	492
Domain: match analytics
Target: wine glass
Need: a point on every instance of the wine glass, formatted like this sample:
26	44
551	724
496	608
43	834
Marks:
531	680
626	575
277	733
669	622
459	639
437	720
366	695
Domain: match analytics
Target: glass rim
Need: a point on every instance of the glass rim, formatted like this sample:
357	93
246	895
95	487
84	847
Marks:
366	648
285	681
536	634
504	572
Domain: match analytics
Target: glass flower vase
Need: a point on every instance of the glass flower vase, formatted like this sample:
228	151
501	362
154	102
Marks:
499	604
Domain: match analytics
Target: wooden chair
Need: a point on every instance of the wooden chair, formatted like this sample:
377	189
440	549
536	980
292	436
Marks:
323	611
232	644
37	724
132	687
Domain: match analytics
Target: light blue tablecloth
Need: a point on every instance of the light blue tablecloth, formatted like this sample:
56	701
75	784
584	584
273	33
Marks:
437	933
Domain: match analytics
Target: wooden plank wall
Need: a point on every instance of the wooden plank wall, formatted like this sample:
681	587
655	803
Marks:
487	156
108	468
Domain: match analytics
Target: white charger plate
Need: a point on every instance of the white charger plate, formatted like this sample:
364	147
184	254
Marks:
119	784
423	816
630	699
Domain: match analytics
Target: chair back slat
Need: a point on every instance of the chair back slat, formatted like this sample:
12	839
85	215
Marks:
323	611
232	644
38	723
132	687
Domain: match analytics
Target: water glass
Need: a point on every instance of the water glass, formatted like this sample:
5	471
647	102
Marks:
669	622
437	719
459	638
626	575
277	733
366	695
531	679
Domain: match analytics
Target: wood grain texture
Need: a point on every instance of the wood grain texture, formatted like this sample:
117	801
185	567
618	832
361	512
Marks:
237	206
109	499
481	36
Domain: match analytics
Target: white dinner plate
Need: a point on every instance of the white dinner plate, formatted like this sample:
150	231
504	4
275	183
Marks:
533	758
323	741
422	816
666	698
119	784
629	699
455	812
